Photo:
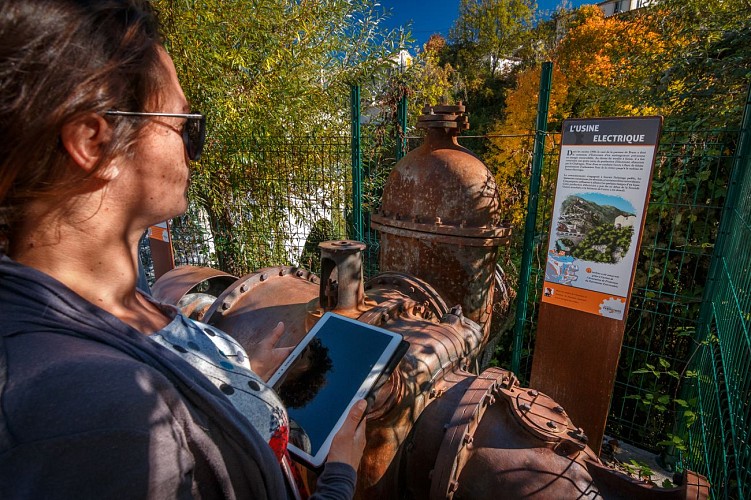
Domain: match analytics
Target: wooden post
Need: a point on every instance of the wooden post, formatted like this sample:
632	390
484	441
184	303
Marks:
162	254
604	180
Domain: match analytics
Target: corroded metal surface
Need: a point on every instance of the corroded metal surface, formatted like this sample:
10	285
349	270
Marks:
254	304
193	289
440	217
436	430
392	284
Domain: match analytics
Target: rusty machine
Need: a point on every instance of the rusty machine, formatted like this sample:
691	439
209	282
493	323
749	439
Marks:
439	428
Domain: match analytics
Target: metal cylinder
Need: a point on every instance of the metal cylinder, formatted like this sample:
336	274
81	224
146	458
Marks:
440	217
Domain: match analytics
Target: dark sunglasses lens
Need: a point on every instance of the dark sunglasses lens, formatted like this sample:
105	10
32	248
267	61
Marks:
194	135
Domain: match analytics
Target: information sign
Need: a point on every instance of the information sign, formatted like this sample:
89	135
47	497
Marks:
604	176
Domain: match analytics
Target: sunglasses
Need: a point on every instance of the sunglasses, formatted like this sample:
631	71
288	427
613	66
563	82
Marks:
193	132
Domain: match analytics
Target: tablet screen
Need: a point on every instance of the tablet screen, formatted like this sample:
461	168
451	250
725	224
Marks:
336	362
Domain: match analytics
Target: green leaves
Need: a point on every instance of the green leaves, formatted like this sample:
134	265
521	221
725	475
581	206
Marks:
265	71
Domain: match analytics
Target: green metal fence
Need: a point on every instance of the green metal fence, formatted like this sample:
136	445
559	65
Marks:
718	442
275	200
684	377
287	194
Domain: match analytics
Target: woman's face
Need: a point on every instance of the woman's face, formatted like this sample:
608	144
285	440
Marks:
157	173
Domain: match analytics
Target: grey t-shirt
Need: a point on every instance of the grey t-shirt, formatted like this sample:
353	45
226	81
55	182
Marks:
225	363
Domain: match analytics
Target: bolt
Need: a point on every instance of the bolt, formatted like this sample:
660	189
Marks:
264	277
559	409
525	407
533	393
468	439
243	289
299	273
552	425
225	306
438	221
453	486
384	317
281	272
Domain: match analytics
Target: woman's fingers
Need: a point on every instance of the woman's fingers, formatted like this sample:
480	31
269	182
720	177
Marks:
349	443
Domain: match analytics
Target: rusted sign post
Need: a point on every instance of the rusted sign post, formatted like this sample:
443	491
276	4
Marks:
604	179
162	254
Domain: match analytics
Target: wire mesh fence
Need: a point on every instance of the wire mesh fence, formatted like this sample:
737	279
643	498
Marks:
270	201
718	440
267	201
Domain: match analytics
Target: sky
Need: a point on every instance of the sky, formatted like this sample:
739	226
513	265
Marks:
437	16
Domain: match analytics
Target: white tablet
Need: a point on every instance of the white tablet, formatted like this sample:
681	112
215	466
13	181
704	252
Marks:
336	364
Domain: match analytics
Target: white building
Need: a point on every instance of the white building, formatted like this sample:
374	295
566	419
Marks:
625	221
612	7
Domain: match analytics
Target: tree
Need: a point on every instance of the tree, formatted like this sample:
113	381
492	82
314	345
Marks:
485	44
488	32
510	153
266	71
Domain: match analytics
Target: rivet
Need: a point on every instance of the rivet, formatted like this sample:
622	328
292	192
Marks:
558	409
281	272
525	407
264	277
225	306
243	288
438	220
468	439
552	425
533	393
453	486
299	273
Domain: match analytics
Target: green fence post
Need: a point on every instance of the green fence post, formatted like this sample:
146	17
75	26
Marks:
719	292
357	221
541	128
401	129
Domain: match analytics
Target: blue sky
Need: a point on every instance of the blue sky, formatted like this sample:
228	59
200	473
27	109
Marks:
437	16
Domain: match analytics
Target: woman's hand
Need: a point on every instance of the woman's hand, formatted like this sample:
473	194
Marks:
265	357
349	443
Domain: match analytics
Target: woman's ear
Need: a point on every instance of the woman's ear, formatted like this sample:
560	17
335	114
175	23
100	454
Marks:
85	139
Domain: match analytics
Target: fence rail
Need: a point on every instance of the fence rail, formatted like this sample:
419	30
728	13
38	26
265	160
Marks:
281	196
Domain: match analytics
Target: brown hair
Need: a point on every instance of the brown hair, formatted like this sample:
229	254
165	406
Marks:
61	59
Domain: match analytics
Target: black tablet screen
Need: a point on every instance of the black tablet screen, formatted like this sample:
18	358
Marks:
321	382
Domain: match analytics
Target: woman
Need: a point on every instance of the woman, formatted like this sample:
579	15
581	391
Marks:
90	404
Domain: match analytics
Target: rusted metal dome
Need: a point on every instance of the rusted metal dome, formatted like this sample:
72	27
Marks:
440	216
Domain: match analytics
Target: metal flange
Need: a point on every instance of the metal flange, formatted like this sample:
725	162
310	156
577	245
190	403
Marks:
459	432
247	283
411	286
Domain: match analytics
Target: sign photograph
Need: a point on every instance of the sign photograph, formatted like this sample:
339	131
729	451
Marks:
604	176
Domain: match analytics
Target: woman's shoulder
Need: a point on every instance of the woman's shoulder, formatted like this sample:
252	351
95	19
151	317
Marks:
62	384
